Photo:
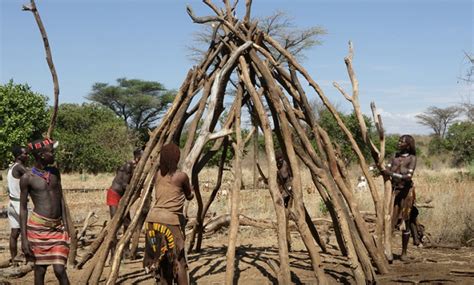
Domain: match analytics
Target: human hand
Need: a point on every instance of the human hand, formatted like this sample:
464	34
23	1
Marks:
25	247
386	172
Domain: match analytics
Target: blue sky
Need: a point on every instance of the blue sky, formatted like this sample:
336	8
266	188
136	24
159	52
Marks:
408	54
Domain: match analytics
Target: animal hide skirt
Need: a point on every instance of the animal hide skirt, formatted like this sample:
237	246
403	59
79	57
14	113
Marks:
164	250
404	200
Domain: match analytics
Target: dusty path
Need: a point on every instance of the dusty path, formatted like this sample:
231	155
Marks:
429	266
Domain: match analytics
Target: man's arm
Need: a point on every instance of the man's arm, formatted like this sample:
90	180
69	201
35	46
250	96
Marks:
127	173
18	171
25	246
64	210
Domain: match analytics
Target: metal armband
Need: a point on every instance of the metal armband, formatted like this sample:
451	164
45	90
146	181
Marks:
397	175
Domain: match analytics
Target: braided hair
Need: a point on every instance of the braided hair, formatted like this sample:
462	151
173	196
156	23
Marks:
410	141
169	159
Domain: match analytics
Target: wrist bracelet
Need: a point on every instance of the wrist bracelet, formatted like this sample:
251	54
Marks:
397	175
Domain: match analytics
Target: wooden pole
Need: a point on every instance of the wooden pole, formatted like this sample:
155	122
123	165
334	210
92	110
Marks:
289	146
356	149
284	276
129	232
234	194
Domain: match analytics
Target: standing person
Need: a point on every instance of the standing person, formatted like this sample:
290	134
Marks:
400	171
117	190
14	174
164	248
44	235
284	178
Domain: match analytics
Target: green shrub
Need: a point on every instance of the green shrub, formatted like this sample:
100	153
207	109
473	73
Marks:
23	117
92	139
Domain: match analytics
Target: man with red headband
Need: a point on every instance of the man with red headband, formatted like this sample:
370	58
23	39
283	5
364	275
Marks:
117	190
44	234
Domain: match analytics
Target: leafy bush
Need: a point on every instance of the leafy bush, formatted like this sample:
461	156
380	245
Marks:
92	139
460	140
23	117
327	122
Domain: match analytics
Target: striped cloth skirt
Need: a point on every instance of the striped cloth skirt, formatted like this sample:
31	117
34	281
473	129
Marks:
48	240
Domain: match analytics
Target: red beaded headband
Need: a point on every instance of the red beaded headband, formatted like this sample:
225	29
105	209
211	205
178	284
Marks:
41	144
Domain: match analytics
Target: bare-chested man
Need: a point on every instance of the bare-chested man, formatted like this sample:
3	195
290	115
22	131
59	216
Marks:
15	172
164	249
44	234
284	178
400	171
117	190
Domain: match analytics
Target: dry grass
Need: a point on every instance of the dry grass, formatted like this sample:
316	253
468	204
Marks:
450	221
452	218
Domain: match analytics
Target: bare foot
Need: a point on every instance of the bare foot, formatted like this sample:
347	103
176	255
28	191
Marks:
404	257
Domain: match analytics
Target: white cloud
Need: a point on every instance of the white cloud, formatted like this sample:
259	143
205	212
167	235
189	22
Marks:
402	123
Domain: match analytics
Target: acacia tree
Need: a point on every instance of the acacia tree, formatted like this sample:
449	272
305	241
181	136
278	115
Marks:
468	78
439	119
139	103
278	25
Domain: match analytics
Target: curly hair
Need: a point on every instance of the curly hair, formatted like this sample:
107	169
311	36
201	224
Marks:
17	151
169	159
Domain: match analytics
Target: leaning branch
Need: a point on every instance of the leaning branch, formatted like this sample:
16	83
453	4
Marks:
49	58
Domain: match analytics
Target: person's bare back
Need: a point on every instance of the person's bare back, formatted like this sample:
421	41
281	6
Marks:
122	177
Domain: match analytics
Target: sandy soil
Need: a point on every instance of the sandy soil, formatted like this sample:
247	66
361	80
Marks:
256	249
430	266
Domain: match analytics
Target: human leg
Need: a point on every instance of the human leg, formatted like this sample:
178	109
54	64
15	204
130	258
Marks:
14	234
413	226
61	275
126	222
40	271
180	271
112	211
287	225
405	239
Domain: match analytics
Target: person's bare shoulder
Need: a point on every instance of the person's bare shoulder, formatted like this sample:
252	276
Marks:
25	178
181	176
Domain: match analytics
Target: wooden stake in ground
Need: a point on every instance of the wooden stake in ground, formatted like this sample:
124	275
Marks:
234	194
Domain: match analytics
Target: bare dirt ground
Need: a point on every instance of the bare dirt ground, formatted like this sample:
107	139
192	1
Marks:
257	248
429	266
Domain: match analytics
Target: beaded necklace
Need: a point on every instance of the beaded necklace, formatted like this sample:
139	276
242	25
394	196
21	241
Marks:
46	175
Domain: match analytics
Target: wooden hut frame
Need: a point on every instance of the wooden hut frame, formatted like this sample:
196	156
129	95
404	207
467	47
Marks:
240	49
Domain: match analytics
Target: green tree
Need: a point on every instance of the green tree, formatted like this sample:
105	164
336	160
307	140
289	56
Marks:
327	122
139	103
460	140
391	145
92	139
439	119
23	117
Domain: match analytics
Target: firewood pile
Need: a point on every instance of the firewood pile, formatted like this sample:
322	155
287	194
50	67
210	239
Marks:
242	57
